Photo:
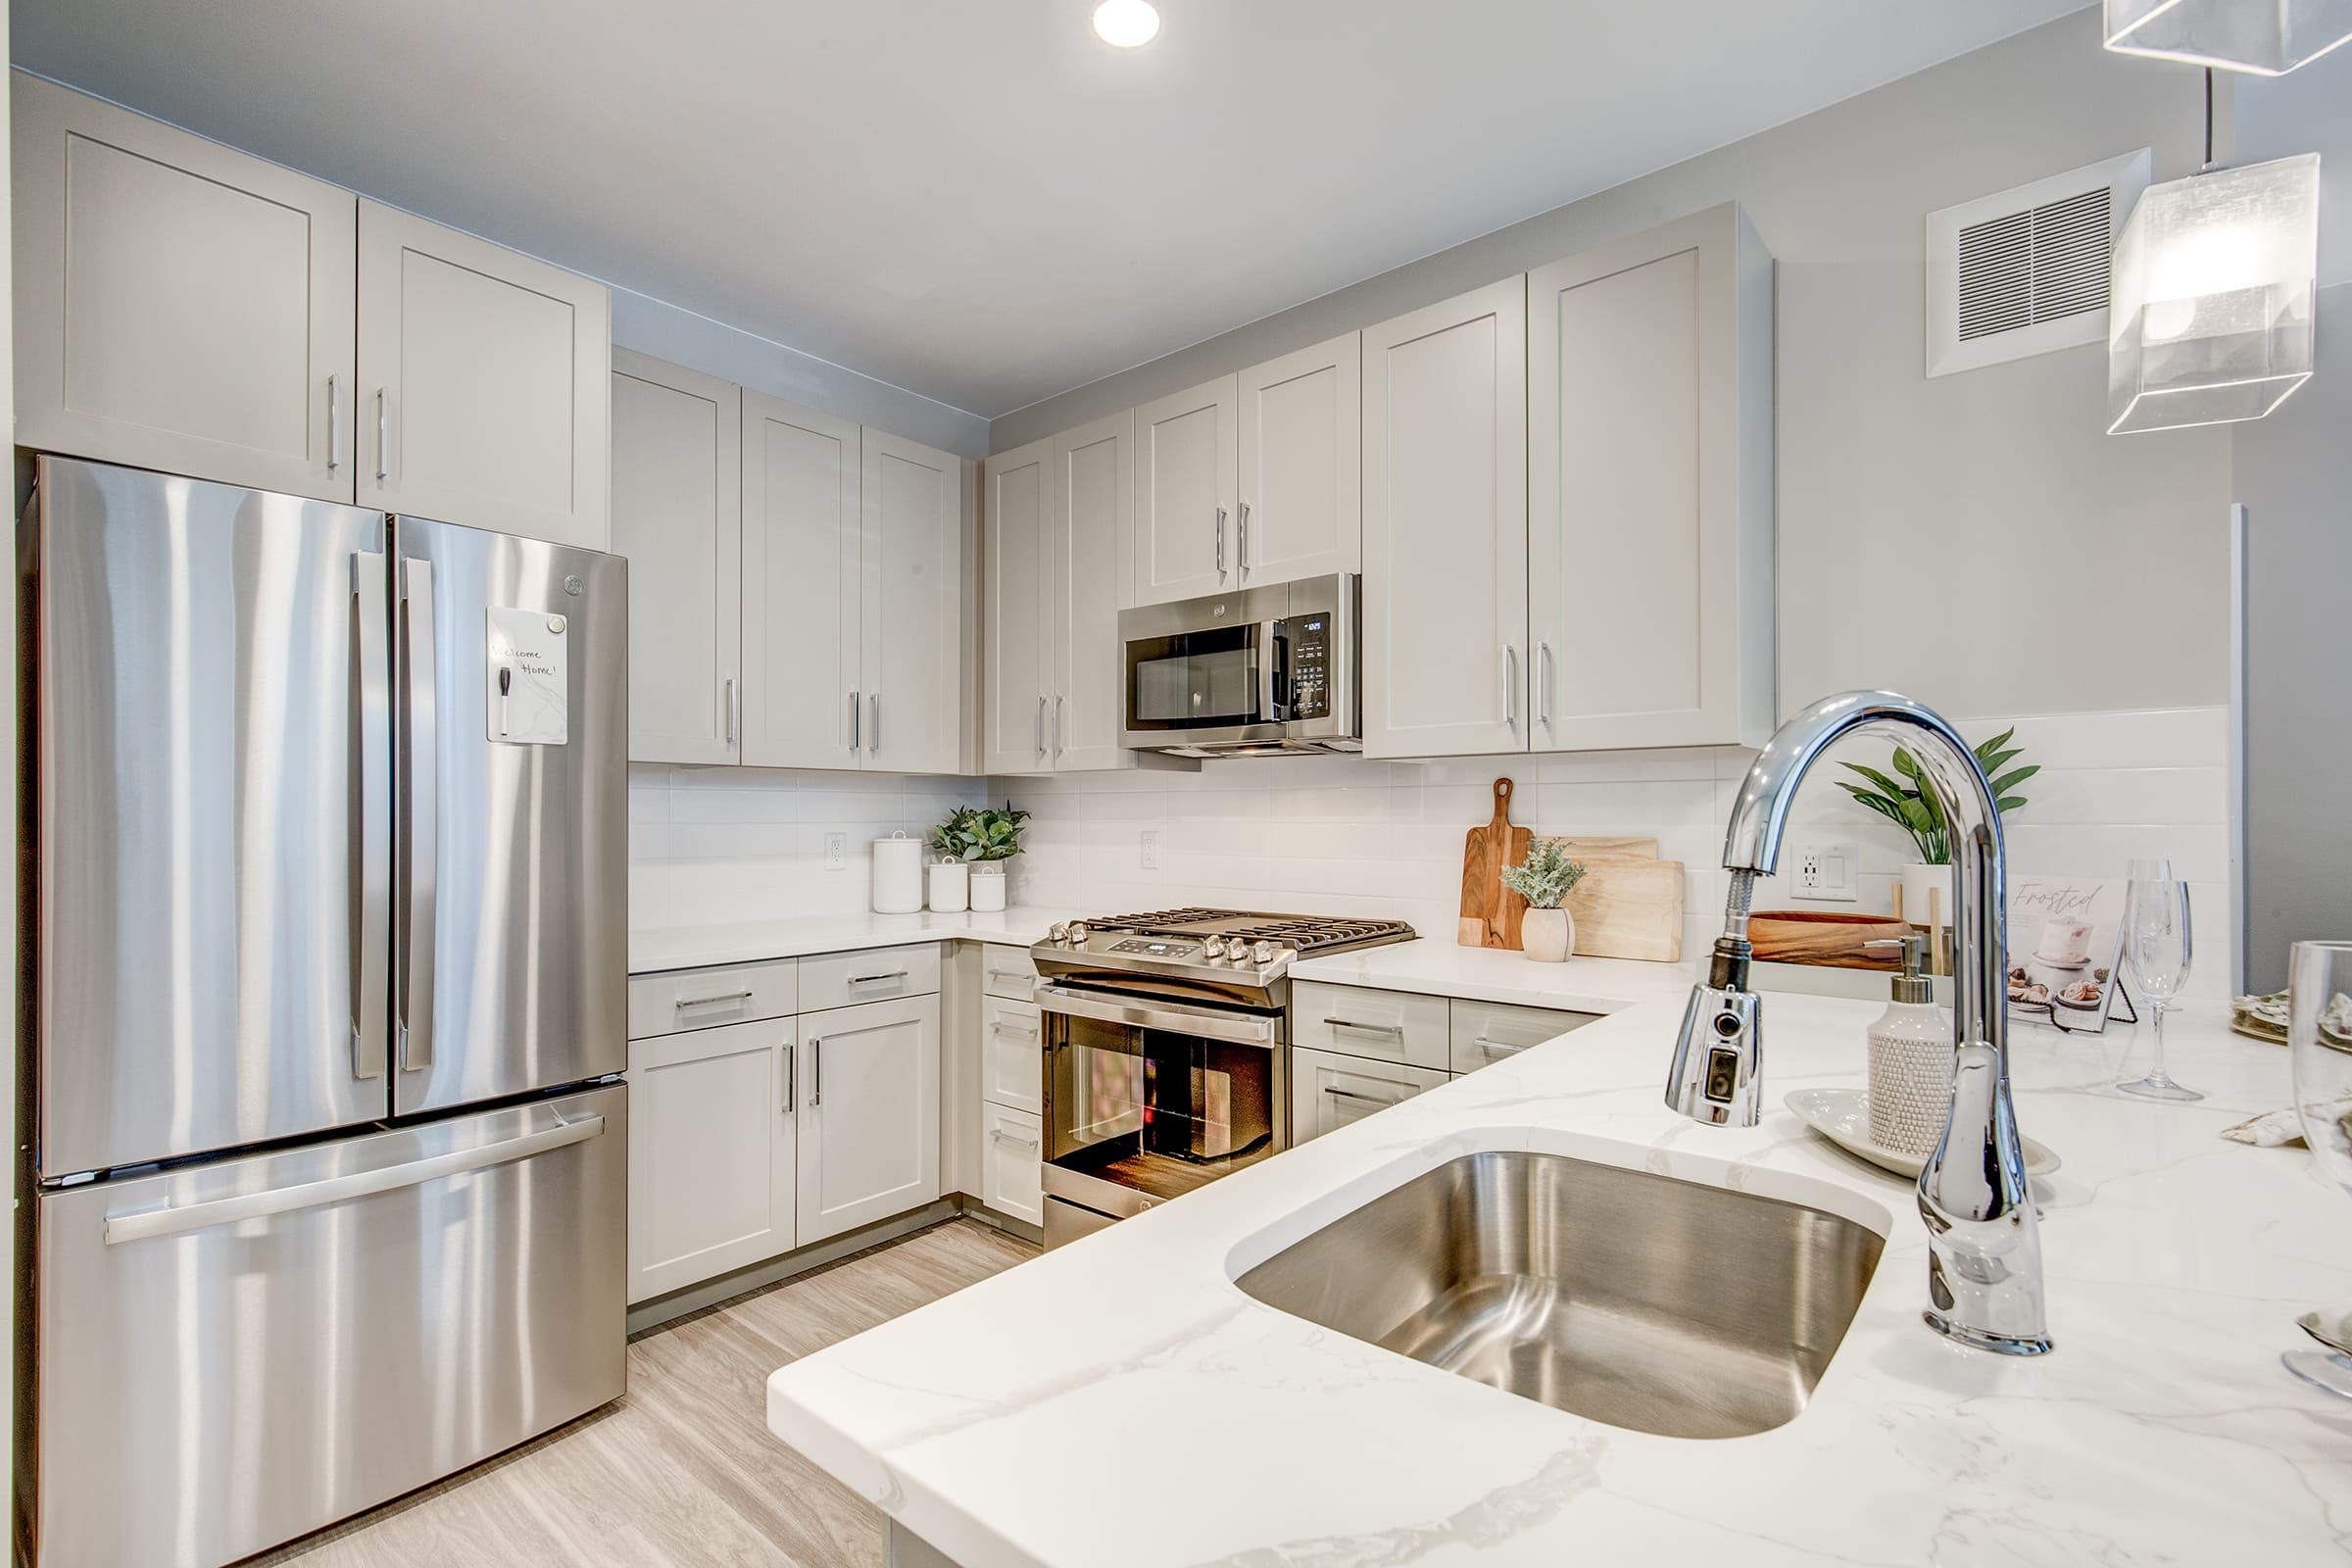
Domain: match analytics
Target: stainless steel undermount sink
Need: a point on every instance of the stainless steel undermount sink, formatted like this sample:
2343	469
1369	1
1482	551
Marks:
1637	1300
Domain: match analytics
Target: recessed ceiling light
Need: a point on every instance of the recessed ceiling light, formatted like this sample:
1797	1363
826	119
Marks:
1125	23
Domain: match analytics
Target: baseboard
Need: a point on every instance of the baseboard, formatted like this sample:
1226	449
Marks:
662	1310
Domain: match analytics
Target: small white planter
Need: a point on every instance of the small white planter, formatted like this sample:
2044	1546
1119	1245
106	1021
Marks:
988	884
1548	936
949	887
1921	879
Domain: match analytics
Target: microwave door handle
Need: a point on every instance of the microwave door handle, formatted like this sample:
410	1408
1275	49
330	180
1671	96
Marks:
421	722
1273	672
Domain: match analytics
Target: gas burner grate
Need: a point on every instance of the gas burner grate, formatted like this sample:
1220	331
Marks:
1307	933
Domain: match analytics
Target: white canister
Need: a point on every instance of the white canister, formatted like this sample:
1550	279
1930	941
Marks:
898	874
988	885
949	882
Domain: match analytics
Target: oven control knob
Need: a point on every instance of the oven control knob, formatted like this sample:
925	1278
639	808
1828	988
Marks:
1077	933
1264	953
1058	933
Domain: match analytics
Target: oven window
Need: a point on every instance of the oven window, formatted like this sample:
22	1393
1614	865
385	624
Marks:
1195	680
1157	1110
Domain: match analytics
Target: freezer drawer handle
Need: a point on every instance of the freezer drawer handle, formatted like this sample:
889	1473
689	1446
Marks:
148	1224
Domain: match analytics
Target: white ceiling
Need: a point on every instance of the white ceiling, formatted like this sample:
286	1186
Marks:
975	199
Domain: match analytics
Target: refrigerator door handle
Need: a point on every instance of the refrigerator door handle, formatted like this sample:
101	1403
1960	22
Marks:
420	722
148	1224
372	813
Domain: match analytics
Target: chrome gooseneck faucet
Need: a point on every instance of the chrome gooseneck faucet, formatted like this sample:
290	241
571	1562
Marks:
1984	1272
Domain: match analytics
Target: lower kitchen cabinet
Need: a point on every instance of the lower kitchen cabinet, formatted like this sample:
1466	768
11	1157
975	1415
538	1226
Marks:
712	1166
1012	1177
869	1114
1328	1090
1012	1055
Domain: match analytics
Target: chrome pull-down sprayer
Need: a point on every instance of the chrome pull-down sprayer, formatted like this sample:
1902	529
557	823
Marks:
1985	1283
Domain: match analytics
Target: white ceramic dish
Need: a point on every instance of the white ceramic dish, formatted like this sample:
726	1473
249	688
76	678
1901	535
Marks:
1843	1116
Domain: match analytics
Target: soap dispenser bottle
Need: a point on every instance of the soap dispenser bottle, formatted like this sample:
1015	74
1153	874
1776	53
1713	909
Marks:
1910	1060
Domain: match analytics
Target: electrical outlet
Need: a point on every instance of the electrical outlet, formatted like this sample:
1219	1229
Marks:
1823	872
837	852
1151	849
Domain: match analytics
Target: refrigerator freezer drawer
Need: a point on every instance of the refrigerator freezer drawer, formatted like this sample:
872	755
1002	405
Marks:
232	1354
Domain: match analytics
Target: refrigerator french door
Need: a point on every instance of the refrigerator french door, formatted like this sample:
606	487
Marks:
329	950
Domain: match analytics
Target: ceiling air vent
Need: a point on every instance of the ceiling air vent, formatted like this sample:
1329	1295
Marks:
2025	272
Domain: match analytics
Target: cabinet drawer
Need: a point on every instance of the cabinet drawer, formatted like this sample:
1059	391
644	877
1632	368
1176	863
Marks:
1383	1025
1486	1032
1007	972
1011	1063
1011	1175
875	974
1327	1091
705	998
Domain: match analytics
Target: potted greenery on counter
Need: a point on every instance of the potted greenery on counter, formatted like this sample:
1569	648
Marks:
983	838
1546	932
1913	807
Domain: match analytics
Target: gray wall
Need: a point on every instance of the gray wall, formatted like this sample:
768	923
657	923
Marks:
674	333
1975	540
2294	470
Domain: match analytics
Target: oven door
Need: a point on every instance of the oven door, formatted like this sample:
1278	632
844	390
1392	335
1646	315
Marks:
1146	1099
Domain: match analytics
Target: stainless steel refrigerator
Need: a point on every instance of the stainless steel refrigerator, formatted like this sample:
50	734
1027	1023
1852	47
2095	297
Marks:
329	963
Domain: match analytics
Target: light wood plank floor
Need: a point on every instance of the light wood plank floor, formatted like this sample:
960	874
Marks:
681	1470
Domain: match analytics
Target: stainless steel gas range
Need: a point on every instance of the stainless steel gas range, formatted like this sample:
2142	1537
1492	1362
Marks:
1167	1050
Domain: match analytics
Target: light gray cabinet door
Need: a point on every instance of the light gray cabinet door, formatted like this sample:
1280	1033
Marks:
712	1166
911	575
1328	1090
1091	547
1018	635
868	1115
485	384
802	602
1301	510
1185	478
1445	452
677	477
1649	489
179	306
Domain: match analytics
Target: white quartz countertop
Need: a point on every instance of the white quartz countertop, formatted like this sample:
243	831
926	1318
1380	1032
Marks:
653	948
1120	1401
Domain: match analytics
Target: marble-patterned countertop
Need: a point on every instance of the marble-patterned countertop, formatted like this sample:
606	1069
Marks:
653	948
1120	1401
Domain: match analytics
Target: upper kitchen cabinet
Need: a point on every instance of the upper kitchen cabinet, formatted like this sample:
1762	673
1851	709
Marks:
1018	651
1186	475
1650	490
677	517
1090	533
1444	500
179	306
802	598
1300	510
484	381
912	661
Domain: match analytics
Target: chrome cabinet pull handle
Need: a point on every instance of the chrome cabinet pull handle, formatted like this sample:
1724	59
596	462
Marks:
1006	974
705	1001
730	709
791	1075
876	979
1396	1029
873	727
1002	1028
998	1134
334	422
383	438
1240	541
1041	726
855	708
1510	685
1057	726
1220	541
1497	1047
1338	1092
817	1073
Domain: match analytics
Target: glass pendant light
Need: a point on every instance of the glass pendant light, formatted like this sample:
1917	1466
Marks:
2269	38
2209	311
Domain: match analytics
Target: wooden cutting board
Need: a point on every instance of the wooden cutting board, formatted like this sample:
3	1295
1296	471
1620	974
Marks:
1628	906
1492	912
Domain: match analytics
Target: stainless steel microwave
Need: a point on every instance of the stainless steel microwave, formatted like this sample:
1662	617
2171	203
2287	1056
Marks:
1240	674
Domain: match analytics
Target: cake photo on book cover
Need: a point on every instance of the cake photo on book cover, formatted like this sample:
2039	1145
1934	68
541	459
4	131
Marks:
2066	935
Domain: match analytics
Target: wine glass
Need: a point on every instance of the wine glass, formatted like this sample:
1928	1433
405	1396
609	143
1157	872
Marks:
2318	1042
2156	946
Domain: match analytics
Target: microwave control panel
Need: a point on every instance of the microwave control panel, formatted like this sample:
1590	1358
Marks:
1310	667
